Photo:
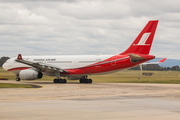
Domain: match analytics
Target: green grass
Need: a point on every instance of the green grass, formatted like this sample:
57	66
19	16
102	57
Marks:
10	85
5	74
128	76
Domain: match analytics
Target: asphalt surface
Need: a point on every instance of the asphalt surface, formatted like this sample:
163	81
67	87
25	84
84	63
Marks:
96	101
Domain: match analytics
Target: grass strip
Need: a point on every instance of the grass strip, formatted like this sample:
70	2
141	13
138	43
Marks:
11	85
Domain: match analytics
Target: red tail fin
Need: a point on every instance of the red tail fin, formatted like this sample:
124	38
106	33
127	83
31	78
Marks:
142	44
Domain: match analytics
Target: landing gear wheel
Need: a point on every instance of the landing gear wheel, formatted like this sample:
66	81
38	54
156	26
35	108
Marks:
60	81
64	81
56	81
18	79
85	80
81	80
89	80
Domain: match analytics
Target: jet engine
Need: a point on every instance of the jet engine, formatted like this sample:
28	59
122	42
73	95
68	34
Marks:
30	74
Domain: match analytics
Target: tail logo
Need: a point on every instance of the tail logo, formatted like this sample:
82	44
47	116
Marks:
143	39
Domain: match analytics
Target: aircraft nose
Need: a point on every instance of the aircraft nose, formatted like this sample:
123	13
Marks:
4	66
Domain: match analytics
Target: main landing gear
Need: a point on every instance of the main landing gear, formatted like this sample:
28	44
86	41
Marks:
60	80
85	80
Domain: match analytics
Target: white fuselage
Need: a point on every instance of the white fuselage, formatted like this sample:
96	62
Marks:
63	61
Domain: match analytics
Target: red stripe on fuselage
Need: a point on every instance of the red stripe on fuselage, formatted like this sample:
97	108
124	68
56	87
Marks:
19	68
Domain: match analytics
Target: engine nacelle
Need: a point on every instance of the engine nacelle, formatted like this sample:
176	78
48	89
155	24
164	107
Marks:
30	74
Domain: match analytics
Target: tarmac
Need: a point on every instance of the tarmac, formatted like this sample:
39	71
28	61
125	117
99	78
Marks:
96	101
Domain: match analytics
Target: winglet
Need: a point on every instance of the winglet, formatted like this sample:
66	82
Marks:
161	61
19	57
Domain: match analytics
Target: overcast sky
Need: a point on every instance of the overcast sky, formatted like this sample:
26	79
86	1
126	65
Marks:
73	27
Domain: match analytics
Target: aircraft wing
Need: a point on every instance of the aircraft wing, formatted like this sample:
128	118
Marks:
161	61
40	66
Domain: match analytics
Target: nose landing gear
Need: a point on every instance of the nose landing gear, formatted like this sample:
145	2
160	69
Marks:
17	79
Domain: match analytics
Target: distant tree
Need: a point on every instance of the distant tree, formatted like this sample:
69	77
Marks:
167	68
3	60
151	67
148	67
175	67
156	67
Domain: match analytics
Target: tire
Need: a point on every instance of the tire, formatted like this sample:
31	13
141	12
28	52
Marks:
18	79
86	80
81	80
64	81
56	81
60	80
89	80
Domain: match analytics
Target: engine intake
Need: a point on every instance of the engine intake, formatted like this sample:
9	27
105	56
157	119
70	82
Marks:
30	74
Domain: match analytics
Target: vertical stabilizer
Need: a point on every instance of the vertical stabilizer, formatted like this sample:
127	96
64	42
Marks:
142	44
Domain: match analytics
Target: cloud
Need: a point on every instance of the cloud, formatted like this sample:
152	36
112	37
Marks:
44	27
15	1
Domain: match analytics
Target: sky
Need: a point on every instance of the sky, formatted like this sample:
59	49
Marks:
86	27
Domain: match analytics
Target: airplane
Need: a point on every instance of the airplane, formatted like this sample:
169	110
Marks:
161	61
79	67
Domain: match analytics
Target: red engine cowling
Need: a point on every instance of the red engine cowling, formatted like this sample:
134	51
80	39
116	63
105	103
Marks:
30	74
